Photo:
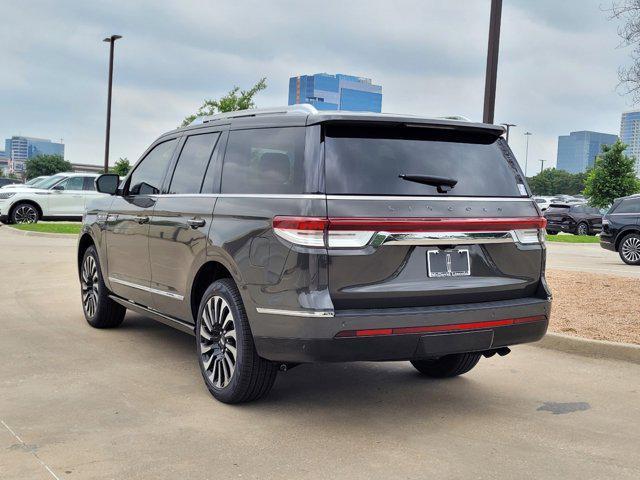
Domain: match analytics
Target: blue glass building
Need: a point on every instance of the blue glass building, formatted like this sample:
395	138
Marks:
630	134
577	151
336	92
19	149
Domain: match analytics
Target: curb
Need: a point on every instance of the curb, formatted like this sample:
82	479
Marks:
590	348
28	233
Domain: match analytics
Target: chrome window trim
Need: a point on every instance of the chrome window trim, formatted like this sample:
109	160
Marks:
296	313
241	195
425	197
321	196
146	289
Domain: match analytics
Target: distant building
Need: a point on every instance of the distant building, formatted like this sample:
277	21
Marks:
577	151
19	149
336	92
87	168
630	134
4	163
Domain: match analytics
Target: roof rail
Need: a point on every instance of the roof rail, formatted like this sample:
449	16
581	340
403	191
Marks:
455	117
300	108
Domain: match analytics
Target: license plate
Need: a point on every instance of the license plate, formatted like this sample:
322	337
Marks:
448	263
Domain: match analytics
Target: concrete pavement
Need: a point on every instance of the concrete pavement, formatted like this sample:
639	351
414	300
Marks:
588	257
130	404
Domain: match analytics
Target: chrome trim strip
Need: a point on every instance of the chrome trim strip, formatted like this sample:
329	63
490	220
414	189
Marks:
296	313
160	317
175	296
441	238
313	196
435	198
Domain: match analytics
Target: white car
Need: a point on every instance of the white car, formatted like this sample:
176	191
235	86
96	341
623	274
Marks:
64	195
542	202
34	182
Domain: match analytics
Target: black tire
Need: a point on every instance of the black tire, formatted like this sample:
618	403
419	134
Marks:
250	377
551	232
629	249
447	366
99	310
582	229
24	212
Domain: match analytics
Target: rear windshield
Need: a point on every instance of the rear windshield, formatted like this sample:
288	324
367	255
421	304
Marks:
369	160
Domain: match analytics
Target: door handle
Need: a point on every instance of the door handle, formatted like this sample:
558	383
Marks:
141	220
196	222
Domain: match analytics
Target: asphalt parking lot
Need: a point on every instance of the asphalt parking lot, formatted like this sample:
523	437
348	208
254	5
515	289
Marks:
130	404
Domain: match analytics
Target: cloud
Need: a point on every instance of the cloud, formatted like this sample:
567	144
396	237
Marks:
557	71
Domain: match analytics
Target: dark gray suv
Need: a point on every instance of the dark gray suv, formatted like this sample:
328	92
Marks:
285	236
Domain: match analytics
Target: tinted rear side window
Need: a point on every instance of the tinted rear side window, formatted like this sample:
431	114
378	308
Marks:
368	161
630	205
266	161
192	163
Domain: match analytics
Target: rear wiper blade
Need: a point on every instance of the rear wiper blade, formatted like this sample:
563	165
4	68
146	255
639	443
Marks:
444	184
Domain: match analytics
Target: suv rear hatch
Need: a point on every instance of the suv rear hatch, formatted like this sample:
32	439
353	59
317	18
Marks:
424	215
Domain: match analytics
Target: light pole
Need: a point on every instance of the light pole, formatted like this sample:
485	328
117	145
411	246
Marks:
492	61
111	41
526	152
541	164
508	125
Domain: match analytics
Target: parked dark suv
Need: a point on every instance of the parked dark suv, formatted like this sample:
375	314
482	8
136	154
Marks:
286	236
580	219
621	229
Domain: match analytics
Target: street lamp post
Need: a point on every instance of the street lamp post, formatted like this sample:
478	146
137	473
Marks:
111	41
508	126
526	152
541	164
492	61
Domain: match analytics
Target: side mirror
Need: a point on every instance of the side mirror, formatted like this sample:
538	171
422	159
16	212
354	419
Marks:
107	183
58	187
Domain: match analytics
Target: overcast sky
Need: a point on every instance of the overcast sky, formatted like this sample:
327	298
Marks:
557	71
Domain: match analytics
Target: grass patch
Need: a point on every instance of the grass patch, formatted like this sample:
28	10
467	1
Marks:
70	228
573	238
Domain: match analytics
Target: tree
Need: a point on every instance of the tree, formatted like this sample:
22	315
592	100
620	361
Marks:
236	99
46	165
552	181
122	167
628	11
613	176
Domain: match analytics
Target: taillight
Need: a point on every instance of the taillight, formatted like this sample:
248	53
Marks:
307	231
341	232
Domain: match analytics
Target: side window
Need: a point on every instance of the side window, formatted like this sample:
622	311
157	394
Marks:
193	162
71	183
631	205
147	178
270	160
89	184
577	209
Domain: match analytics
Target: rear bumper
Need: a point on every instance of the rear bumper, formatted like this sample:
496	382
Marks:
607	243
314	339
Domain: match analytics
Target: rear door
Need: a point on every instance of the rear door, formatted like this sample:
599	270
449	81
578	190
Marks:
423	242
181	221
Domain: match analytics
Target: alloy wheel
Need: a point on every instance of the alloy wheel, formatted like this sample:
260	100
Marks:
89	285
218	342
583	229
25	214
631	249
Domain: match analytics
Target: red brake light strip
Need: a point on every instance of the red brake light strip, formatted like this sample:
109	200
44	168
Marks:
371	332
